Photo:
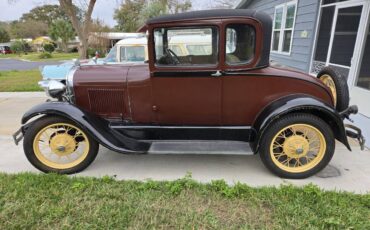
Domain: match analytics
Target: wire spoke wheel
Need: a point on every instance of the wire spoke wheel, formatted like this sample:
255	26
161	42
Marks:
61	146
298	148
329	82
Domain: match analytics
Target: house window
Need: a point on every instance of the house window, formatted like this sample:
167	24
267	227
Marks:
283	30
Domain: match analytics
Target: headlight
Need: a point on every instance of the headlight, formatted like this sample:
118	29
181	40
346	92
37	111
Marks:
54	89
44	85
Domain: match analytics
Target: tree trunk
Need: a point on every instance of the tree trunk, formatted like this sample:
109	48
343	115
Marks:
83	49
65	46
82	28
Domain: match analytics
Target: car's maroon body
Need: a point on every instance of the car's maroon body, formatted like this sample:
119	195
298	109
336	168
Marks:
152	94
130	93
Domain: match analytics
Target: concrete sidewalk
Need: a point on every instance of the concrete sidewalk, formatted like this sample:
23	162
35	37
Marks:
348	171
13	106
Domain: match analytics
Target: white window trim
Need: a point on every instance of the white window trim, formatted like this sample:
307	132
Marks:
282	28
317	27
339	3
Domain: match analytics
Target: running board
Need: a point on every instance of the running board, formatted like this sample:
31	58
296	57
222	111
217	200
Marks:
201	147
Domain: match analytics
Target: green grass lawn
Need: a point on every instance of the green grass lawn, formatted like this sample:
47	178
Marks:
34	56
30	201
19	81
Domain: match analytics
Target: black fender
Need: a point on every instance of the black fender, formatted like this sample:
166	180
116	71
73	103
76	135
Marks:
298	103
96	126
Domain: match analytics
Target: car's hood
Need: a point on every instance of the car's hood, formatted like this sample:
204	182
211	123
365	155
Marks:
100	74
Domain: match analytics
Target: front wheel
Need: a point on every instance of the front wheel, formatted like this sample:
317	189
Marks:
54	144
297	146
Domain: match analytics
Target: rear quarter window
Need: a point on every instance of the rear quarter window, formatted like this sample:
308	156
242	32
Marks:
240	44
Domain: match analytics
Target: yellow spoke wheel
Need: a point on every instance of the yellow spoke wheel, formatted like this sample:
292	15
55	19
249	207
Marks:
61	146
297	148
329	82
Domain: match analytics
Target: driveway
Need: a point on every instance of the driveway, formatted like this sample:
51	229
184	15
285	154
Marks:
348	171
14	64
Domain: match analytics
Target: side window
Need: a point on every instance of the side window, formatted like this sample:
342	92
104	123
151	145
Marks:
186	46
132	54
240	44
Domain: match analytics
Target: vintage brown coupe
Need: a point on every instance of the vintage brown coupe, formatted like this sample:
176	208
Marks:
217	95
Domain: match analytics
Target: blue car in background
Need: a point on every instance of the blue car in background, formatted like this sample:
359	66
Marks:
56	72
128	50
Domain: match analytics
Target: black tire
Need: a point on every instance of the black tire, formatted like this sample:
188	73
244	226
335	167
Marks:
285	121
341	87
43	122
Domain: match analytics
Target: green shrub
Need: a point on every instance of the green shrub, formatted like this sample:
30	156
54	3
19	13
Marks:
20	46
17	47
45	55
49	47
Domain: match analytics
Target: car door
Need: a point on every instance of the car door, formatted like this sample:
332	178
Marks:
240	90
185	88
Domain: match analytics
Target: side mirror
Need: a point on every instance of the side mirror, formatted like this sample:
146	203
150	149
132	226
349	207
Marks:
95	59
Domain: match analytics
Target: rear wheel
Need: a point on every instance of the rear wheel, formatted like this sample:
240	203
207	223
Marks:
54	144
337	85
297	146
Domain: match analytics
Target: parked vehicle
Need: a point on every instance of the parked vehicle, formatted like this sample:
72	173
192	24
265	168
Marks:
219	96
5	50
129	50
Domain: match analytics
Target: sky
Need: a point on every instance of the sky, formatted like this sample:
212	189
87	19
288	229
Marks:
104	9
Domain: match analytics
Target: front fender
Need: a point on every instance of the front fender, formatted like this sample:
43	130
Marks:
97	127
298	103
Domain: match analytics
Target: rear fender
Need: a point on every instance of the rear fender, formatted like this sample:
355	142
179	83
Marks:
298	104
97	127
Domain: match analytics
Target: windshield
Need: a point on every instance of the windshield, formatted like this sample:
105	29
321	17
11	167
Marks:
112	55
132	54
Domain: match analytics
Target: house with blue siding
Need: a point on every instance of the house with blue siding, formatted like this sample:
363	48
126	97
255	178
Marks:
311	34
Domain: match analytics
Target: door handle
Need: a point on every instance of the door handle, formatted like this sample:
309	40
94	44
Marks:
217	74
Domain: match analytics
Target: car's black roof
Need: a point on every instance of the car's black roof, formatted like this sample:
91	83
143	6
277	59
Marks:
208	14
262	17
